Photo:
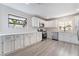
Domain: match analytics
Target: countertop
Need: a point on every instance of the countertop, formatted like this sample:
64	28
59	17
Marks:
2	34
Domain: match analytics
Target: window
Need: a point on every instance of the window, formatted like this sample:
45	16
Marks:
16	21
65	25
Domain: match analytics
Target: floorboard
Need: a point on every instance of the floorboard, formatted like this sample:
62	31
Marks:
49	48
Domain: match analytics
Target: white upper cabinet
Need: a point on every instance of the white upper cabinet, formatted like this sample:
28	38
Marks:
35	22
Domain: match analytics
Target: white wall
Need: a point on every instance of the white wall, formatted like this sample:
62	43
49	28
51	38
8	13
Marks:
51	23
4	11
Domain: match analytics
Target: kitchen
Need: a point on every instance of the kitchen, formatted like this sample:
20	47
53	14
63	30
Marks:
24	30
69	34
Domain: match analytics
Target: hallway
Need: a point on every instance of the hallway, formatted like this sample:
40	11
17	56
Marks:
49	48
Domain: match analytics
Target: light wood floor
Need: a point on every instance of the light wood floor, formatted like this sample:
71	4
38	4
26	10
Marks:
49	48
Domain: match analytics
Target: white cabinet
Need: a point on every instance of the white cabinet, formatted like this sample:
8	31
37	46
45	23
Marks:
38	37
64	37
68	37
35	22
22	40
33	38
8	44
18	41
49	35
26	40
14	42
0	46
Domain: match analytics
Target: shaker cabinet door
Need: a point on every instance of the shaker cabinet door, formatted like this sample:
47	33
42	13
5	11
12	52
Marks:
18	42
8	44
0	46
22	40
39	37
33	38
26	40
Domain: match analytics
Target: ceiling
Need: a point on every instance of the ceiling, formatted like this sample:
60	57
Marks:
45	10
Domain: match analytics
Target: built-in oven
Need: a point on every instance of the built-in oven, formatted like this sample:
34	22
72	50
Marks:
44	34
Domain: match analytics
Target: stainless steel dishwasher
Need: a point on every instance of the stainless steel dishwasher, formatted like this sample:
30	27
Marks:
55	36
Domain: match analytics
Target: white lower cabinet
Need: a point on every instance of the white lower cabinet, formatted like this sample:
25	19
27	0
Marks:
38	36
22	41
8	44
12	43
74	39
0	49
26	40
18	41
0	46
33	38
68	37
